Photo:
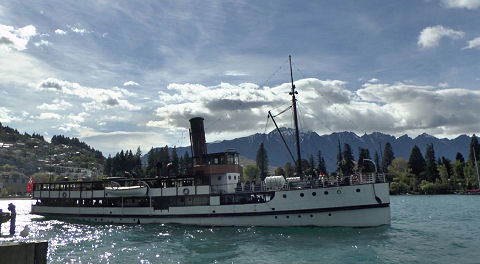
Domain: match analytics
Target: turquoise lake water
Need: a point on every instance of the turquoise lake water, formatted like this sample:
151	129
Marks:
424	229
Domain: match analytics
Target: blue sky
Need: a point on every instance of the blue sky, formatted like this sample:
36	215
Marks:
122	74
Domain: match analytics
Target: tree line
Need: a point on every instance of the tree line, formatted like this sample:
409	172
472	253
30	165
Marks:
163	162
420	174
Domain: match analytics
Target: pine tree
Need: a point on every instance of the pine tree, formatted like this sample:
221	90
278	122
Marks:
288	170
175	162
348	162
388	157
322	169
416	162
262	162
474	150
279	171
431	170
364	161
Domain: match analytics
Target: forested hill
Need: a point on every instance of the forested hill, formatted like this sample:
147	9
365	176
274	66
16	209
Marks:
28	154
311	143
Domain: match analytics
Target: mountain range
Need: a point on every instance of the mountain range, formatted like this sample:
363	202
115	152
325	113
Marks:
311	143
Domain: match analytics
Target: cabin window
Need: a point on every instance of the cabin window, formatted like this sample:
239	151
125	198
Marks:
229	177
215	160
219	178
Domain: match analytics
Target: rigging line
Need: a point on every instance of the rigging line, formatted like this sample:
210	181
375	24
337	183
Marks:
299	71
283	111
318	118
273	74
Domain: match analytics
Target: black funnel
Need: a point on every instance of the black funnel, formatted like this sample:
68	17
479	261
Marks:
199	146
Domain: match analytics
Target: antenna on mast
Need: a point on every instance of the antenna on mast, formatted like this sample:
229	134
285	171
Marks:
295	120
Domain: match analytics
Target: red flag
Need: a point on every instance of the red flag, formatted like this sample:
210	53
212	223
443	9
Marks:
30	185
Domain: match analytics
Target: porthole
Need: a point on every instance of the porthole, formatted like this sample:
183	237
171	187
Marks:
284	196
273	209
329	214
314	193
358	190
326	193
301	195
311	215
213	211
276	217
299	216
287	216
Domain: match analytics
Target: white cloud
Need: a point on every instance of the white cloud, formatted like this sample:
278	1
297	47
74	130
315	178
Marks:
56	105
443	85
17	39
325	106
49	115
6	116
60	32
468	4
22	68
423	108
78	30
431	36
235	73
100	98
42	43
130	83
474	43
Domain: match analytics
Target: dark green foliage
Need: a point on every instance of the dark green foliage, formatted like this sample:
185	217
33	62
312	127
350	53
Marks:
309	166
158	158
448	167
262	162
288	170
321	167
185	163
348	162
305	166
459	157
365	163
416	162
474	150
124	164
175	162
388	157
279	171
74	142
431	170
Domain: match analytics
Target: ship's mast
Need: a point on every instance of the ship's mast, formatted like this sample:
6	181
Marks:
295	121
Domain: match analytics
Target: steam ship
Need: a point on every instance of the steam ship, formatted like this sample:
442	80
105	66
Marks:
213	195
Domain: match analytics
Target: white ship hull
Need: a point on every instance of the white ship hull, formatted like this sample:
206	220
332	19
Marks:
363	205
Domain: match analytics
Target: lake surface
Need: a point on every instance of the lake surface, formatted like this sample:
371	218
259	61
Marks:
424	229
